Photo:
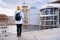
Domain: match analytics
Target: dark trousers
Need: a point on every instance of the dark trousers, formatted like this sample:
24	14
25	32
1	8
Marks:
19	29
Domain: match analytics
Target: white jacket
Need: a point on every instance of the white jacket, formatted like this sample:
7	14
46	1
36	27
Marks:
22	15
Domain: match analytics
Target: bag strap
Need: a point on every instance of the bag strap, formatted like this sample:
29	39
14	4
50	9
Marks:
19	12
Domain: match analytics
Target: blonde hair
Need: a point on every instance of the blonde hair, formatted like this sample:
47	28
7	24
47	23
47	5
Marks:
18	7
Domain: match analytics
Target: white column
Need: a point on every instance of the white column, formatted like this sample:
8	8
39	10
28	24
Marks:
53	16
39	21
58	17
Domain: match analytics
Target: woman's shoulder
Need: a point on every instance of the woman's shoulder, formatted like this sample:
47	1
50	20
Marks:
17	11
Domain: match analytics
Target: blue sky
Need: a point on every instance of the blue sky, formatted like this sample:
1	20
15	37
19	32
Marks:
8	7
13	3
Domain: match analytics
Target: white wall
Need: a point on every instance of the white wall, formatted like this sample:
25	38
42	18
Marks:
33	17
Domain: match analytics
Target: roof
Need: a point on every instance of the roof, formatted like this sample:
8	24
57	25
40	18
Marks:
51	6
54	5
56	1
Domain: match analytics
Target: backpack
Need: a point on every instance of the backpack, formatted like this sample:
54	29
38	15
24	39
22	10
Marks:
17	16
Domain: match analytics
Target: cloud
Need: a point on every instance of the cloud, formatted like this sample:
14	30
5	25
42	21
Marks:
39	3
7	11
4	4
9	3
13	3
8	6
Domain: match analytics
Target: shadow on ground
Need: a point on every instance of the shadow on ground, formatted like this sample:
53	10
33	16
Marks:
30	28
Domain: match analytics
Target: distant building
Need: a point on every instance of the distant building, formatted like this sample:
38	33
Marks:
3	20
25	11
50	15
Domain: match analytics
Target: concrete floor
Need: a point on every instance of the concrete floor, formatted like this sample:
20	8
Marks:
32	33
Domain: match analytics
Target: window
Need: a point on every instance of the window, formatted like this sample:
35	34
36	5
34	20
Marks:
55	17
49	23
59	16
42	18
54	22
42	12
51	11
49	17
42	22
48	11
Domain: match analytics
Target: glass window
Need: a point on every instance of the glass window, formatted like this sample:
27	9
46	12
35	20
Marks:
42	12
46	23
48	11
51	11
55	17
42	18
49	17
54	22
55	9
42	22
49	23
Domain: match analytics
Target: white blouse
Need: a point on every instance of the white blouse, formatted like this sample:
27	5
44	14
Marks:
22	15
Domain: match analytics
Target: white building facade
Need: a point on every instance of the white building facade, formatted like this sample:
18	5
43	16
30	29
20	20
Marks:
50	15
33	18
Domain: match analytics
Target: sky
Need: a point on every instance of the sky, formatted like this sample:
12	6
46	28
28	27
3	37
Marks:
11	4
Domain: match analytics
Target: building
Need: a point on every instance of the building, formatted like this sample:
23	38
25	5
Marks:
33	18
25	11
3	20
50	15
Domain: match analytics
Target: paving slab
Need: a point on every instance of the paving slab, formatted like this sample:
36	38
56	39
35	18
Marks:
47	34
50	34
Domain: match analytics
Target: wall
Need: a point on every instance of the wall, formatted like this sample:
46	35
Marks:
33	17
